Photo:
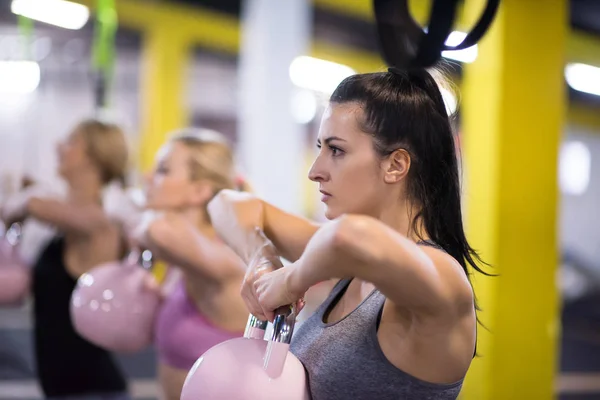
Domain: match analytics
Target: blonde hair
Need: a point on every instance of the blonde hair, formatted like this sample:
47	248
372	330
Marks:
107	147
212	158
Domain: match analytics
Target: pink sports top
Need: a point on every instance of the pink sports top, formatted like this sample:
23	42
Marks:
182	333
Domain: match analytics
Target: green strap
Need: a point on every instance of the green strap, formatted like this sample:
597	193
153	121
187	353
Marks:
26	30
103	51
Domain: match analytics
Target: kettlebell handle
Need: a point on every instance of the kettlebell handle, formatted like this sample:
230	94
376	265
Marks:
255	328
283	325
142	258
13	234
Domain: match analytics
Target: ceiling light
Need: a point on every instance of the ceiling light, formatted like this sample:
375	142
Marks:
64	14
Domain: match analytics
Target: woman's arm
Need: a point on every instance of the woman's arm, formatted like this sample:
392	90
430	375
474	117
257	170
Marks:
426	281
259	233
68	217
241	218
179	242
47	205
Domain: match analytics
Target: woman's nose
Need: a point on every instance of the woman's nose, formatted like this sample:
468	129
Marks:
316	172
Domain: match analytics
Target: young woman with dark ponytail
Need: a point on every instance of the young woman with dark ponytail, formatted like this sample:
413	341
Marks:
401	321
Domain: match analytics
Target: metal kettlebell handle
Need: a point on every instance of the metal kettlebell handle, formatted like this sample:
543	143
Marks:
140	257
255	328
13	234
254	322
146	259
283	324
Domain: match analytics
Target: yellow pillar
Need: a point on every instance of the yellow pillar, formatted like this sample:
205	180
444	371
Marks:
513	113
309	188
164	60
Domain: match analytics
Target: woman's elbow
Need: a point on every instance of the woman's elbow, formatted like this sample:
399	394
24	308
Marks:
219	204
225	197
230	206
219	197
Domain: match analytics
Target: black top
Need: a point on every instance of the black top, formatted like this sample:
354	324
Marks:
67	364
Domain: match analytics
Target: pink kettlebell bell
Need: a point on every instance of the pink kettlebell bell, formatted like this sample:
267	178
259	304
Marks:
14	272
251	368
114	307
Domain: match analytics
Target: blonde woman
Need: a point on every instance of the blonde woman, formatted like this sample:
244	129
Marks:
92	156
205	307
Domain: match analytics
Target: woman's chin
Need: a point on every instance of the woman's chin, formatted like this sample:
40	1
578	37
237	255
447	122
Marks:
331	213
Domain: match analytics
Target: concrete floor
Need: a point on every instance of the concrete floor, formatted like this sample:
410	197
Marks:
17	370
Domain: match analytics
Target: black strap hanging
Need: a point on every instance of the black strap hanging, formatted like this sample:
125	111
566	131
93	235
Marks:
404	44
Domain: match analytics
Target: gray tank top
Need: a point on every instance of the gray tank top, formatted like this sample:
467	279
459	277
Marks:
344	360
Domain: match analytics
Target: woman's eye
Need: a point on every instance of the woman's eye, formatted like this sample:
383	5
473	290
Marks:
336	151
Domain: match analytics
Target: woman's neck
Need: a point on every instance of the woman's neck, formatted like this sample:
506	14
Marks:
85	188
199	217
401	218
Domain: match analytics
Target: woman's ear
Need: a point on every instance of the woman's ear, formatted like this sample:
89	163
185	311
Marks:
396	166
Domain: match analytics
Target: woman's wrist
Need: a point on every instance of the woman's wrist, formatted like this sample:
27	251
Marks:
258	245
296	280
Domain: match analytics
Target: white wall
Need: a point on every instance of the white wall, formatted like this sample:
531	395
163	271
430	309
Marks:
580	214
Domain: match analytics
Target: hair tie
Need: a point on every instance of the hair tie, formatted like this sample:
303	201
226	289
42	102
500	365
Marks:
396	71
408	72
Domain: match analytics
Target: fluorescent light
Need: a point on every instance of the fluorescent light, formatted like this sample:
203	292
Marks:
19	77
318	75
449	101
61	13
304	106
574	168
467	55
583	78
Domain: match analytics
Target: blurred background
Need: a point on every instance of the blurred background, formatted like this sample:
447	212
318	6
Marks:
260	71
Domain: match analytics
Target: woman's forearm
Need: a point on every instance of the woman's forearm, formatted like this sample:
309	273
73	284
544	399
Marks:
342	248
361	247
323	259
16	207
179	242
247	224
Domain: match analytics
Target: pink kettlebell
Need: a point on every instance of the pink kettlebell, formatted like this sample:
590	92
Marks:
114	307
251	368
14	272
